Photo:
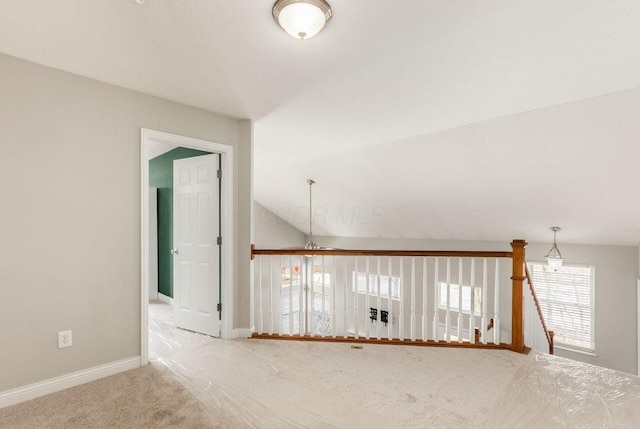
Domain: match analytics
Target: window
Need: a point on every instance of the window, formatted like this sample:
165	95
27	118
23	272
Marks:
321	310
292	282
374	280
566	300
454	291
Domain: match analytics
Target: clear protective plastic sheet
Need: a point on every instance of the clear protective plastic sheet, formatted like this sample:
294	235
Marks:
290	384
241	387
554	392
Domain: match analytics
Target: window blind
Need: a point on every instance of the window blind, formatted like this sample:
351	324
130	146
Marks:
566	301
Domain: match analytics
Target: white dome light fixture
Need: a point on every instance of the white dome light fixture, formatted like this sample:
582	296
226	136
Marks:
554	257
302	19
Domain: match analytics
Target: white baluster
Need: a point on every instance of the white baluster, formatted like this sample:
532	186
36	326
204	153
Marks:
401	328
311	291
389	300
484	321
323	317
308	297
424	300
436	291
356	287
460	282
472	320
270	296
301	297
447	324
260	299
334	272
413	299
312	297
368	303
346	288
527	326
379	303
279	324
496	306
291	295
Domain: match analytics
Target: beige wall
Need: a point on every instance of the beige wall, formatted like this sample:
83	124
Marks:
244	166
616	267
70	220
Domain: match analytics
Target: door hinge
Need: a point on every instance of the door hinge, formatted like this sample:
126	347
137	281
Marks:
219	241
219	306
219	174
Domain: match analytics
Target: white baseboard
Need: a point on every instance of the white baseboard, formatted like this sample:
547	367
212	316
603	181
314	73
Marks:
52	385
165	298
241	333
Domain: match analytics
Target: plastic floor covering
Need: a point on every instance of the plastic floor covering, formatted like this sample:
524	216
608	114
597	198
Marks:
288	384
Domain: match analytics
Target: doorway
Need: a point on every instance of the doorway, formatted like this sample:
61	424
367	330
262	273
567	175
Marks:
223	155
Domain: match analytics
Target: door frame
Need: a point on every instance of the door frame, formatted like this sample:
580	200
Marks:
147	136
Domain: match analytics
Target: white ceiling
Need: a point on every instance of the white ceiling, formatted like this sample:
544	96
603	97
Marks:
409	108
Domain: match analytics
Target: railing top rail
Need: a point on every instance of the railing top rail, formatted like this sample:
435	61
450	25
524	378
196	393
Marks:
535	300
343	252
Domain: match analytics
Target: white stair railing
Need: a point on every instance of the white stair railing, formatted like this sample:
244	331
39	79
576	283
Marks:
384	298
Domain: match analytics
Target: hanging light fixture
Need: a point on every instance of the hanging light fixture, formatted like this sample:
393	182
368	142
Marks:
554	257
310	244
302	19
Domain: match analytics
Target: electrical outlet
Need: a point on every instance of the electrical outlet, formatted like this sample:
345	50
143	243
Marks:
64	339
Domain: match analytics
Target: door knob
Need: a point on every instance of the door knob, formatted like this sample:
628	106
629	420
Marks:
175	251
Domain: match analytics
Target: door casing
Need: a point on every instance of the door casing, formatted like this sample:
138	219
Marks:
148	136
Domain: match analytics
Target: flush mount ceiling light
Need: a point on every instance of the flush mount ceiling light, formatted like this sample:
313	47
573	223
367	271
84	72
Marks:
302	19
554	257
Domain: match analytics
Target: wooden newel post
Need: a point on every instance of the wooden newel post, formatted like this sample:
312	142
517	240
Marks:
518	277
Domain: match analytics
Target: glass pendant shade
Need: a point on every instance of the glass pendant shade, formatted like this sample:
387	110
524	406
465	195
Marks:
554	257
554	262
302	19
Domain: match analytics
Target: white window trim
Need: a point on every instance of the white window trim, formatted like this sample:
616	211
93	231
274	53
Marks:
477	313
569	347
355	288
575	350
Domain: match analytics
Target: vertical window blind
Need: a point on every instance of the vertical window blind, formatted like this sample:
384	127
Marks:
566	299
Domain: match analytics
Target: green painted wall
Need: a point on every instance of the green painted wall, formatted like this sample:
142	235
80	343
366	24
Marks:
161	177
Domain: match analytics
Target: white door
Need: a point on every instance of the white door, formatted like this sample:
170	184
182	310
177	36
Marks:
196	252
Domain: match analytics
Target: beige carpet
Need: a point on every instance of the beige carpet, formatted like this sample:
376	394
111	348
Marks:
148	397
196	381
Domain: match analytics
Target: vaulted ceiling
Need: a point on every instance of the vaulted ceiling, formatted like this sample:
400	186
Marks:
484	120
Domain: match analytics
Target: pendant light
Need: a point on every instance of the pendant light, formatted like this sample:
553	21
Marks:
554	257
310	244
302	19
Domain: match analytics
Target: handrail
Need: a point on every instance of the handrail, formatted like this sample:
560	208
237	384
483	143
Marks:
517	256
548	334
342	252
